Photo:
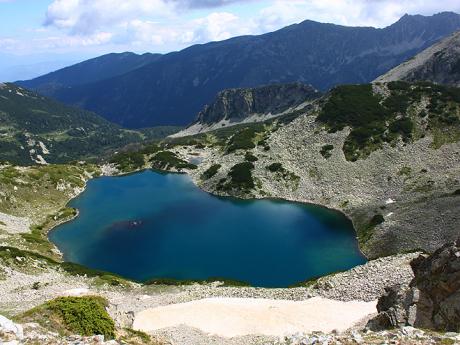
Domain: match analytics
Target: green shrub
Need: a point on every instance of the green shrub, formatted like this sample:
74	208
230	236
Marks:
211	172
281	173
85	316
366	227
403	126
326	151
373	122
405	171
399	85
241	175
376	220
240	178
150	149
250	157
275	167
181	282
167	159
397	103
131	333
243	140
128	161
351	105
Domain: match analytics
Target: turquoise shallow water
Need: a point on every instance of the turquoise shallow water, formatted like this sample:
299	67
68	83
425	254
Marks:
152	225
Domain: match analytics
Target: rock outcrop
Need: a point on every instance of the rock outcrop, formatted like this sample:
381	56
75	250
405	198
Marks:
237	104
440	64
432	300
234	106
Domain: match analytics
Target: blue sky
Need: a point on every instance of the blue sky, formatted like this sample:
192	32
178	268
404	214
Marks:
46	34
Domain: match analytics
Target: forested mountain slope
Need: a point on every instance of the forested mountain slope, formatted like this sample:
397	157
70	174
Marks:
36	129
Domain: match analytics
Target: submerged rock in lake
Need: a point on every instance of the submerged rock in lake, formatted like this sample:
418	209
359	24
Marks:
126	224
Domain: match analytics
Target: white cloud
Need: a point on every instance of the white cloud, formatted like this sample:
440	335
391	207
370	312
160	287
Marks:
214	27
56	42
219	26
378	13
165	25
8	43
90	16
205	3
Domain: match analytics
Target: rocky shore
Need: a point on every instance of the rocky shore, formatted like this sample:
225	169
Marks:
23	288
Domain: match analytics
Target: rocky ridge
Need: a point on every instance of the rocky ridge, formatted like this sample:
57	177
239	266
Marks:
235	106
439	63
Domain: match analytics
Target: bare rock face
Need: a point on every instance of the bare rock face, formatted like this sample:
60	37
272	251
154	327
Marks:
236	104
432	300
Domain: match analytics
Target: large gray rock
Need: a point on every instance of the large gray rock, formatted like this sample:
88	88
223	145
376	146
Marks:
432	300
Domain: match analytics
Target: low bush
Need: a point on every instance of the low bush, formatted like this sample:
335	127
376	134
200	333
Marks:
211	172
85	316
397	103
403	126
242	140
351	105
241	175
376	220
326	151
275	167
240	178
249	157
167	159
128	161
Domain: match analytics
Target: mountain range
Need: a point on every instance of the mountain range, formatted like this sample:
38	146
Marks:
439	64
172	88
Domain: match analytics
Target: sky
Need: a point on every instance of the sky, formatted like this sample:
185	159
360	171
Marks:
41	34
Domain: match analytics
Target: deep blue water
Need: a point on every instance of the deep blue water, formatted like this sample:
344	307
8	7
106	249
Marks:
151	225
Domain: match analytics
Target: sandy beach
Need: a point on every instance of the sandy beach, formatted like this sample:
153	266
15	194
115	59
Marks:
233	317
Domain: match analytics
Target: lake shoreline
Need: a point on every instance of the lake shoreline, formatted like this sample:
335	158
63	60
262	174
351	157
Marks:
158	280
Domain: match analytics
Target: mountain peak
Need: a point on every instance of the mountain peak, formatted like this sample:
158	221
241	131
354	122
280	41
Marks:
439	63
174	87
416	18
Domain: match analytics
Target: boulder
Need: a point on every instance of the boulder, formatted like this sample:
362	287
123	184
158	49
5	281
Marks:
432	300
10	331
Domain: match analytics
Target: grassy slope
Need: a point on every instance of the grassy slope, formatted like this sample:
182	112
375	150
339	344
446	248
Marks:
40	194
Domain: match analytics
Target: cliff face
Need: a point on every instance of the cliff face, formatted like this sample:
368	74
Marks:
248	105
235	105
439	63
